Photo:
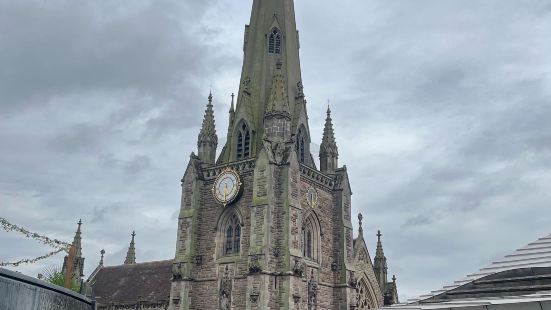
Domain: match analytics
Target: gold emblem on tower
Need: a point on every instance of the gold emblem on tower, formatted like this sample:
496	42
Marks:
312	197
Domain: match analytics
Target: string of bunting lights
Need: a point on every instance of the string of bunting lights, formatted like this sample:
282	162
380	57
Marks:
59	245
31	261
7	226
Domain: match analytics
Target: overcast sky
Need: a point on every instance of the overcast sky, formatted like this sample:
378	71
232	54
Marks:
442	113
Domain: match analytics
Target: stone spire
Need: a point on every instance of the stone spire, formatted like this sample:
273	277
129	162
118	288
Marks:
78	262
380	264
77	240
329	153
131	254
208	140
271	46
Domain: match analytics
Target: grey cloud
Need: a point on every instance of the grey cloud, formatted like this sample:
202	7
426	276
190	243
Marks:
440	109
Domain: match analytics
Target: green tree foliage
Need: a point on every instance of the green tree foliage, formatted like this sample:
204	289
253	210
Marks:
56	276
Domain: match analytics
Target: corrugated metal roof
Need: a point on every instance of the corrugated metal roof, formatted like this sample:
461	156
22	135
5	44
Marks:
535	254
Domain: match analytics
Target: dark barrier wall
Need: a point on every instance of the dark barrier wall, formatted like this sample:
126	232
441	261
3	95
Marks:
20	292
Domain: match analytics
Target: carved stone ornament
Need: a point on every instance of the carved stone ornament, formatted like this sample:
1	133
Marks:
225	291
276	252
246	85
254	264
300	88
278	152
296	298
298	268
254	296
177	271
353	281
362	257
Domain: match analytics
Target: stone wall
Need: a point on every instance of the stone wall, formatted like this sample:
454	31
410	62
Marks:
20	292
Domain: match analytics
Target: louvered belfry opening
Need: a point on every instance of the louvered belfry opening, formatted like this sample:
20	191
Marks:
274	41
243	142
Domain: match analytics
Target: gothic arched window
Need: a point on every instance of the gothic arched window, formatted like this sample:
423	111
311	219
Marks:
364	299
301	145
232	236
243	141
311	238
274	41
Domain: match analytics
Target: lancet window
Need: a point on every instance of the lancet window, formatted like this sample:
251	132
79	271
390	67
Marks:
301	145
307	252
310	238
232	240
243	141
274	41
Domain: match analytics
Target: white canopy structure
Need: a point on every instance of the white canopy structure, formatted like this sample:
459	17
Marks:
521	280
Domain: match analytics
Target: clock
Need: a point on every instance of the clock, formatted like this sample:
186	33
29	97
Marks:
226	186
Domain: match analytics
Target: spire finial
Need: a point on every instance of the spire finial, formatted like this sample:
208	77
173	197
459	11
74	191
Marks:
133	234
102	252
328	108
210	97
379	235
394	278
232	102
79	223
360	218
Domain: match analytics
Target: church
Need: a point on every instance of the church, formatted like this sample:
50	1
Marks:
261	226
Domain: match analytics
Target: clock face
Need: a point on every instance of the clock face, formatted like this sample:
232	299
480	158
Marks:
226	187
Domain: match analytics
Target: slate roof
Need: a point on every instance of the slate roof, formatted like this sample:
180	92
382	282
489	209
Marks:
129	283
535	254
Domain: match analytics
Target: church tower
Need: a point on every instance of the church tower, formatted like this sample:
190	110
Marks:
262	227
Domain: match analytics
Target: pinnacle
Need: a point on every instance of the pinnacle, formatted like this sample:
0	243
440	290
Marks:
131	254
208	129
77	239
361	230
232	108
328	132
102	252
379	253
